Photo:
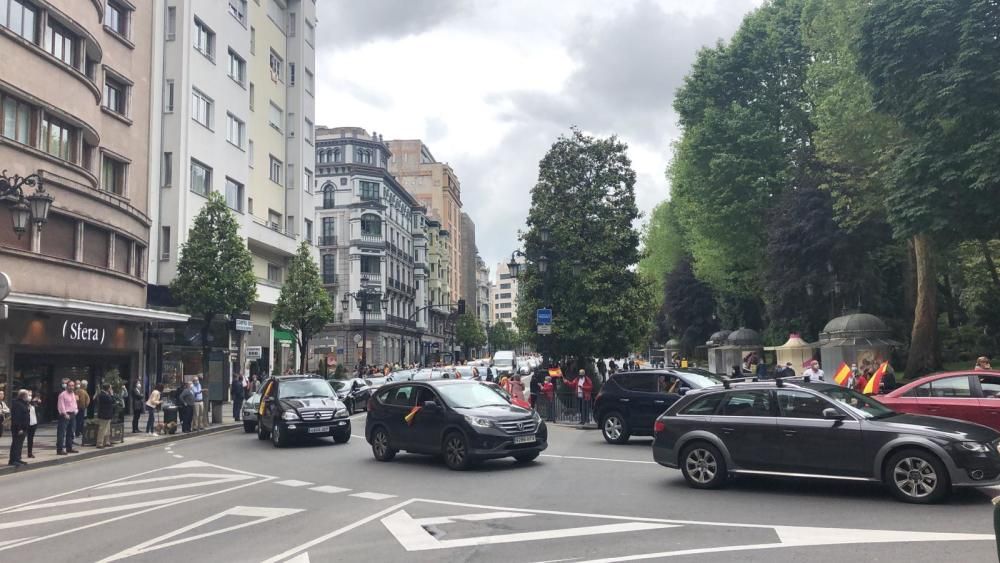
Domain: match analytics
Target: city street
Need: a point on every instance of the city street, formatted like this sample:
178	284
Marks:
230	497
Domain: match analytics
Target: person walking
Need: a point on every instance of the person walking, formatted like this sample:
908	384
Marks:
34	402
137	405
582	386
186	398
237	392
105	411
153	403
612	367
19	421
82	404
516	387
67	407
813	372
602	368
4	411
199	405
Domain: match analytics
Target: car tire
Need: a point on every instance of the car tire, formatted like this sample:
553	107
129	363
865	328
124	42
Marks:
248	426
527	457
916	476
342	438
261	433
381	445
278	437
703	466
614	428
455	449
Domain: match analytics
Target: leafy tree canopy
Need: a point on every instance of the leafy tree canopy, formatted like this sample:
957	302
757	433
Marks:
304	306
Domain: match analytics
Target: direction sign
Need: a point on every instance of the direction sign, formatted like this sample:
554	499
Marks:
543	316
544	329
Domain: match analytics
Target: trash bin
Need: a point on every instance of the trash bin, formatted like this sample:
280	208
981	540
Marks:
169	417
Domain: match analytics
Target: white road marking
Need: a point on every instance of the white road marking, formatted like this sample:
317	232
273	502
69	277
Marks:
225	479
414	537
302	558
94	512
358	437
260	515
373	496
286	556
439	520
168	478
329	489
178	456
8	542
599	459
292	483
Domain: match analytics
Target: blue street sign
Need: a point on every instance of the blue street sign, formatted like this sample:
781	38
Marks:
543	316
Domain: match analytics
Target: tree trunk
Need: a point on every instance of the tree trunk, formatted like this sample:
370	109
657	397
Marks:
923	338
303	347
984	246
910	283
206	350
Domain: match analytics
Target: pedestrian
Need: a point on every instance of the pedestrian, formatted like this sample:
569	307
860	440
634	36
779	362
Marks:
582	386
861	380
4	412
789	370
152	404
186	399
67	407
602	369
254	384
761	373
82	404
105	411
137	406
19	421
549	393
34	402
199	405
237	392
516	387
888	379
814	372
612	367
982	364
535	386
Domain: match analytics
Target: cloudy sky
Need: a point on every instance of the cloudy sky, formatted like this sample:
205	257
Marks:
490	84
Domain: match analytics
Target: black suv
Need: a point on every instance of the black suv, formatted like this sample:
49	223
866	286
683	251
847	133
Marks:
463	421
823	431
300	405
630	401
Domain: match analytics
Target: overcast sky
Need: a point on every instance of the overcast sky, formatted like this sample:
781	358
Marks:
490	84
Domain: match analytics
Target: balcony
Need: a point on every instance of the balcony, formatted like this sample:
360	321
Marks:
270	236
400	321
326	240
371	278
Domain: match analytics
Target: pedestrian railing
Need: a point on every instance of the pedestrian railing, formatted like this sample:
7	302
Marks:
564	407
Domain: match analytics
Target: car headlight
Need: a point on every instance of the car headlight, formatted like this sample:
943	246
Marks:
479	421
536	416
341	412
289	415
975	447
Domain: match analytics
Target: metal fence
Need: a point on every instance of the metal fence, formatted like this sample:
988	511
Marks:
565	407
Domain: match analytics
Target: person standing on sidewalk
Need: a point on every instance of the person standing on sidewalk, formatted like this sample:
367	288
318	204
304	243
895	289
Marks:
105	411
582	386
237	392
137	406
82	403
4	411
19	421
186	398
66	406
199	405
153	403
34	403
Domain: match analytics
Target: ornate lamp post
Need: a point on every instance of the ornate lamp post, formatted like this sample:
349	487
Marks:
25	210
363	297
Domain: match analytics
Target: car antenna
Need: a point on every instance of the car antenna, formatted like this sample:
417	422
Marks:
725	382
779	382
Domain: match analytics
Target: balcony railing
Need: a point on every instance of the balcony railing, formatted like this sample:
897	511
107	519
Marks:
326	240
400	321
369	237
368	277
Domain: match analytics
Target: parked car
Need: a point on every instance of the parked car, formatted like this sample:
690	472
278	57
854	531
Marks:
376	382
630	401
973	396
301	405
352	392
822	430
249	412
463	421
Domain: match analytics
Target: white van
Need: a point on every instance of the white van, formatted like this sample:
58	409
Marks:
504	361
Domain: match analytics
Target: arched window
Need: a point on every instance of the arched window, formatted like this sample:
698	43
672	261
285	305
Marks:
328	196
337	156
371	225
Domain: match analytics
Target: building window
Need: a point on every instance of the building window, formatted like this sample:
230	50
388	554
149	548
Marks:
235	130
60	42
369	191
273	273
328	234
329	268
171	23
362	156
291	74
58	139
309	230
250	151
168	169
201	178
20	18
308	131
234	195
201	108
251	96
307	178
274	219
16	119
274	172
274	116
168	96
275	62
113	173
116	17
338	155
291	24
237	68
204	39
253	40
371	265
310	82
115	95
505	286
371	225
328	196
238	8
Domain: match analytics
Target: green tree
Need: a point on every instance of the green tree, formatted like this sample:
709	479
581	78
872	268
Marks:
662	244
215	270
469	333
304	307
689	306
502	337
585	199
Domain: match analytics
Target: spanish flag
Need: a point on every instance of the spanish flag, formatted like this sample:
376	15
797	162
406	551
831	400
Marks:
876	381
843	373
413	413
555	372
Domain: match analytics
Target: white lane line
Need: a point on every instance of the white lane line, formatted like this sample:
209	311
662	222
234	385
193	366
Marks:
373	496
358	437
94	512
440	520
292	483
329	489
287	555
8	542
599	459
178	456
222	480
171	478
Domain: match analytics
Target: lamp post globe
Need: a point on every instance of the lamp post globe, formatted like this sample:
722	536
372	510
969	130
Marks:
40	202
20	214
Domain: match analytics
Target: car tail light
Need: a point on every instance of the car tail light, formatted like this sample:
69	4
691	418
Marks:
659	426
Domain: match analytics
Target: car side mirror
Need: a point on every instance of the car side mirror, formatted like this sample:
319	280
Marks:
684	391
431	406
831	413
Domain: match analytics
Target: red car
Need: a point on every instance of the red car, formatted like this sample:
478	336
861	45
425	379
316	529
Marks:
966	395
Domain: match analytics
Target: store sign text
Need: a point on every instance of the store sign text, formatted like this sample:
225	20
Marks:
78	331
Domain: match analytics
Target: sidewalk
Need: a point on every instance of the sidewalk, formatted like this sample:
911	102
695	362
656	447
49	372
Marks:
45	442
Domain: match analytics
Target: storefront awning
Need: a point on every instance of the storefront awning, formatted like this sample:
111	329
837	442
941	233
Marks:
30	302
283	335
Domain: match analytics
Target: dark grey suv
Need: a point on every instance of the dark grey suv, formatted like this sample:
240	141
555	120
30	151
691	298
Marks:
825	431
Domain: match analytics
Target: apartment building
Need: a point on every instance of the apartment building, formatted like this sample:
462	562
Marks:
483	292
503	301
468	263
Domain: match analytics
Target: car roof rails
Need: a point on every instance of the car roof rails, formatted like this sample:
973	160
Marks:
725	382
779	382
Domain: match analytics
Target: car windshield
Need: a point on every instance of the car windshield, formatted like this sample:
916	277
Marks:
701	380
470	396
861	405
338	385
304	388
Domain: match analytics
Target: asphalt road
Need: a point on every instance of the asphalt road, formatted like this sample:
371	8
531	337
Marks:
230	497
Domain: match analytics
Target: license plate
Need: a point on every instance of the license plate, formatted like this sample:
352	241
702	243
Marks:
524	439
319	429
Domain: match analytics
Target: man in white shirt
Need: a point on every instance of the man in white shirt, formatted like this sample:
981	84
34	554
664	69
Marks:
814	372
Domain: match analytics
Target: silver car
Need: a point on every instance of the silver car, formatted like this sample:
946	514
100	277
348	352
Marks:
249	413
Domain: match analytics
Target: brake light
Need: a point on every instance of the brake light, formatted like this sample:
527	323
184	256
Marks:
659	426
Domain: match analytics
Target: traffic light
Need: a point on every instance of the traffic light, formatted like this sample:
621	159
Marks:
461	306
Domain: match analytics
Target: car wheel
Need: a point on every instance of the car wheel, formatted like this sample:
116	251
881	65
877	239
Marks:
615	428
248	426
456	451
917	476
261	433
278	437
527	457
703	466
342	438
381	445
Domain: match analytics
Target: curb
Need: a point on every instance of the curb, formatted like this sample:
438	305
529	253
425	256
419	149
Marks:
8	470
575	425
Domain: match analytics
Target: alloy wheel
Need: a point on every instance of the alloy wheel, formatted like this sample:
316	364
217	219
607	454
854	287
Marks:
380	443
701	465
915	477
455	451
613	427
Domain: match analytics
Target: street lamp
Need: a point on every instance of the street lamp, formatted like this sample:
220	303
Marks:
363	297
543	264
514	267
25	209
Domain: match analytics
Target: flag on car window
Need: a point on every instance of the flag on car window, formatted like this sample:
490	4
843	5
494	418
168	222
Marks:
409	417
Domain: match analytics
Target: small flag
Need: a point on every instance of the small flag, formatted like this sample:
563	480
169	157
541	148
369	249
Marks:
555	372
843	373
876	381
413	413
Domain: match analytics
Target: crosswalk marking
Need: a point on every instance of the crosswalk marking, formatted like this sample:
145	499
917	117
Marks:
292	483
94	512
373	496
329	489
218	481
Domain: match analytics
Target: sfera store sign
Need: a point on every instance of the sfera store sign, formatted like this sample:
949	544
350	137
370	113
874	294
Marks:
80	331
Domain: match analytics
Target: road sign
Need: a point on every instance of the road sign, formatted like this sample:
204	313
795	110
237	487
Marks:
544	329
254	352
543	317
244	325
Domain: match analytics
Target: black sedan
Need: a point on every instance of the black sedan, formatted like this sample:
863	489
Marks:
823	431
463	421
